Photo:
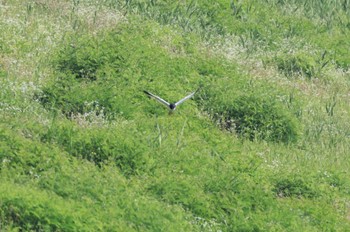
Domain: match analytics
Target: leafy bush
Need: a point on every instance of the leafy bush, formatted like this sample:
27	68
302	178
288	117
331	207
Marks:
101	145
55	191
27	156
253	114
294	187
30	209
88	78
298	64
98	74
256	117
218	200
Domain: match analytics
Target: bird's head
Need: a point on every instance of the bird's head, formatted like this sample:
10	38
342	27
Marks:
172	106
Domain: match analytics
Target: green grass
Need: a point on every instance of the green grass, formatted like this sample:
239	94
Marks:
262	146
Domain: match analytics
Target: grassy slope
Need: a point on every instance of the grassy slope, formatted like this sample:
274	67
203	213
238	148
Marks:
121	166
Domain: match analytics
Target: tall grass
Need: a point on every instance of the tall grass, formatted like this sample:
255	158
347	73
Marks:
262	146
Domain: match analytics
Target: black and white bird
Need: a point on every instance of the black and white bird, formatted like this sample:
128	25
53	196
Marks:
171	106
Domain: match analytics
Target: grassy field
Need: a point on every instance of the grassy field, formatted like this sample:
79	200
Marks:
262	146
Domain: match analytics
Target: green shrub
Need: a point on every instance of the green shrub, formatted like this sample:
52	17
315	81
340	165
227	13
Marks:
297	64
252	115
30	209
256	117
73	96
103	74
55	191
89	78
294	187
101	145
218	200
26	156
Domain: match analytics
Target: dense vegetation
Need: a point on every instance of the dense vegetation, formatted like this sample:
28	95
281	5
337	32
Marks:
262	146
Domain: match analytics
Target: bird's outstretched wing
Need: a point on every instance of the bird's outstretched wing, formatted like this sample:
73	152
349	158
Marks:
167	104
185	98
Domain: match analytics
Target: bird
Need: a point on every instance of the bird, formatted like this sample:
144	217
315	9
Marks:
171	106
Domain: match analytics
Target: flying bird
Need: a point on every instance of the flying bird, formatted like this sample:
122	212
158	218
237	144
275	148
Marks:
171	106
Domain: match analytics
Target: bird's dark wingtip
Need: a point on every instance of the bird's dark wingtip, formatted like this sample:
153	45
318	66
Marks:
146	92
